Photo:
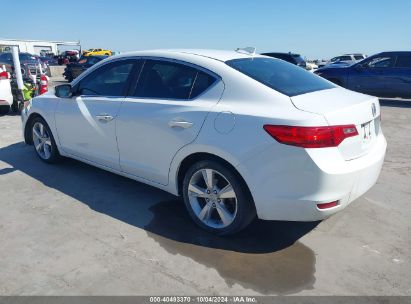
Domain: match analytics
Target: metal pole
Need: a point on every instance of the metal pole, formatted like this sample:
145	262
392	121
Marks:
19	78
17	67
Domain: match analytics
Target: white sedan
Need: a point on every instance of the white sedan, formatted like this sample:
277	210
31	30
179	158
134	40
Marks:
6	97
237	135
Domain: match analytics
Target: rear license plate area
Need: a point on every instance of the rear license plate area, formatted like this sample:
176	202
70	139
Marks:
367	132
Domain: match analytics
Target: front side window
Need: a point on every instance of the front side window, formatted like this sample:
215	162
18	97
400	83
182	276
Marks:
170	80
380	62
108	80
281	76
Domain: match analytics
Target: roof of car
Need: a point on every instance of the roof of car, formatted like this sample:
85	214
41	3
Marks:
220	55
281	53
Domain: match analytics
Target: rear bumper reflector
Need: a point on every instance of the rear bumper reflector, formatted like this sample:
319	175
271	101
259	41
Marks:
327	205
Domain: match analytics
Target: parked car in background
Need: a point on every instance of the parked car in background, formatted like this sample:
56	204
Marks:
235	134
386	74
76	68
289	57
44	65
28	63
6	97
49	60
96	52
346	59
311	66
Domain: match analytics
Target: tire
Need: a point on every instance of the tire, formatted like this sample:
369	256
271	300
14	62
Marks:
215	206
4	110
15	106
43	141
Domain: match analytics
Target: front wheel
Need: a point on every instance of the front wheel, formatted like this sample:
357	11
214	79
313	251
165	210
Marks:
217	198
43	141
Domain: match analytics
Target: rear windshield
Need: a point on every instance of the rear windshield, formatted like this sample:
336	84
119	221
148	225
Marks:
281	76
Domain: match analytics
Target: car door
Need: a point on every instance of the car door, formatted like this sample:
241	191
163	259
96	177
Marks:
86	123
164	112
370	76
399	78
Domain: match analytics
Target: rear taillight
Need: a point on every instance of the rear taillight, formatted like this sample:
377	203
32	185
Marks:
43	84
4	75
311	137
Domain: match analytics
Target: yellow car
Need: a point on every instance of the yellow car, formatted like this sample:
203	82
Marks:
91	52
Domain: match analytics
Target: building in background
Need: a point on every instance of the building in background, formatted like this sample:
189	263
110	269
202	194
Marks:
39	47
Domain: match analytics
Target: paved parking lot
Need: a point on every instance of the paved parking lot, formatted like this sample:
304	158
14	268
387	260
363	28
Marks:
72	229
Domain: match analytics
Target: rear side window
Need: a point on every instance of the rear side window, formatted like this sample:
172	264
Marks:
202	82
358	57
108	80
403	61
281	76
345	58
170	80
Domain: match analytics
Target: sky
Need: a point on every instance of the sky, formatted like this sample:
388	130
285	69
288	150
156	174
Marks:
317	29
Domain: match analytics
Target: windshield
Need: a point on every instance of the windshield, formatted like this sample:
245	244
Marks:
281	76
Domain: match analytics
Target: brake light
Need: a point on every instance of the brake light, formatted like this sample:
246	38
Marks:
311	137
4	75
43	84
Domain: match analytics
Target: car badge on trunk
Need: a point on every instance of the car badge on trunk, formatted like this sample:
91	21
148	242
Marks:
373	109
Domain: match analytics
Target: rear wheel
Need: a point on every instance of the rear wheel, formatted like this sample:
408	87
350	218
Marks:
43	141
217	199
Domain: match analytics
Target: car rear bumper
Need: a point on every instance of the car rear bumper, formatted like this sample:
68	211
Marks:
6	96
290	186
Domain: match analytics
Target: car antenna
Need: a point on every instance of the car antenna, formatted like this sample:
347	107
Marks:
247	50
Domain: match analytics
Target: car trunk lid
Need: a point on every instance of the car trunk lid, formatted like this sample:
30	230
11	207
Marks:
343	107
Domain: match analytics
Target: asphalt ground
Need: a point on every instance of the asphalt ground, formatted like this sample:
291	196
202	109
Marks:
72	229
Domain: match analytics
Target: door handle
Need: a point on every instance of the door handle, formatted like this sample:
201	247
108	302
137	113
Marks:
180	124
105	117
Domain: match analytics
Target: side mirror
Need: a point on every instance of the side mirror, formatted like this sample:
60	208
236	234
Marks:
64	91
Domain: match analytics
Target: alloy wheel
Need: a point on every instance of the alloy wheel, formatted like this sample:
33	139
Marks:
212	198
42	140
